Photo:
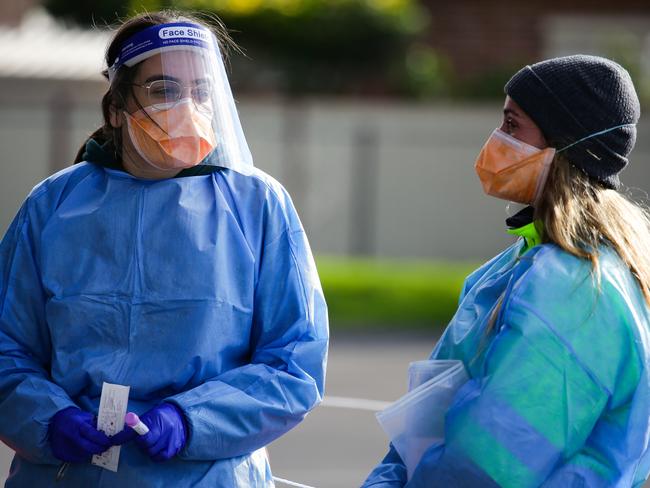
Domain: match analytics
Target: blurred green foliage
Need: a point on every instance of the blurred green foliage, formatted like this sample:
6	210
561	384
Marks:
322	46
409	294
351	47
486	86
348	47
424	74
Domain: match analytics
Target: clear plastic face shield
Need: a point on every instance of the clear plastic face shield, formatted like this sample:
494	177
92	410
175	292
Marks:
184	110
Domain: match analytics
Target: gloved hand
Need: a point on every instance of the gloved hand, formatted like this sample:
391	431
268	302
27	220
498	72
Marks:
167	433
73	436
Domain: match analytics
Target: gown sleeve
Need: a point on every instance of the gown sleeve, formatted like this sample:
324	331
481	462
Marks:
389	473
534	407
247	407
28	397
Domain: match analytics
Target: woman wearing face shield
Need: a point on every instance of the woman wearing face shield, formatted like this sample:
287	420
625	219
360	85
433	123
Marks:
554	331
166	262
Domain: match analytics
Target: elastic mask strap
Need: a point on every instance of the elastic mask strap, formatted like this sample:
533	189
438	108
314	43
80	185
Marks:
595	135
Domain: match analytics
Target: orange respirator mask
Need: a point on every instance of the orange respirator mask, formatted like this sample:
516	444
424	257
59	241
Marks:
172	138
513	170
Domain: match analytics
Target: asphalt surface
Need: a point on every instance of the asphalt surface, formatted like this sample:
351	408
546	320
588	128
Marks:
337	447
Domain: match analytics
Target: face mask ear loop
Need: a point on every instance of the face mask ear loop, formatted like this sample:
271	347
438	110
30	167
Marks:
539	191
594	135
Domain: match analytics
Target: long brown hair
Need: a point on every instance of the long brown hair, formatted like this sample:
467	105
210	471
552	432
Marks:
580	216
121	89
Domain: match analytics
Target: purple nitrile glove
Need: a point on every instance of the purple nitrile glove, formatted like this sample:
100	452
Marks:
167	433
73	436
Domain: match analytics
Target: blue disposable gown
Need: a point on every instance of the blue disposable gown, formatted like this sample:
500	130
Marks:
200	291
559	394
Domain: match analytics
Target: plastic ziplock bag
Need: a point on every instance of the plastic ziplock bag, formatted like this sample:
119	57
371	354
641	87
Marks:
422	371
417	420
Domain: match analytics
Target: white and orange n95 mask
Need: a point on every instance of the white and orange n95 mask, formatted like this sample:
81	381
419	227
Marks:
511	169
176	138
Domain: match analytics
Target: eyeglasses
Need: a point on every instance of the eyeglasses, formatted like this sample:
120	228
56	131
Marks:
164	94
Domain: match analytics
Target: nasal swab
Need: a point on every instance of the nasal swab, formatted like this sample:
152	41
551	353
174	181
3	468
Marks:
133	421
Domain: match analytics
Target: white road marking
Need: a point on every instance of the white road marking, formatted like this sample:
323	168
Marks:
354	403
290	483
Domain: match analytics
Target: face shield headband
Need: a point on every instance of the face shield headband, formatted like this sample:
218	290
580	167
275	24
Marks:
188	65
158	39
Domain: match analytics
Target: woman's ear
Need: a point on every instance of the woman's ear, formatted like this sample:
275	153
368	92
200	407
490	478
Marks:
115	116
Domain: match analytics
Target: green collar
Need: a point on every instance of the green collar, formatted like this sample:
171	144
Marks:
532	234
102	154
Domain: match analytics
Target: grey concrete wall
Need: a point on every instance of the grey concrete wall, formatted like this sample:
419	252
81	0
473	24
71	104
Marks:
408	190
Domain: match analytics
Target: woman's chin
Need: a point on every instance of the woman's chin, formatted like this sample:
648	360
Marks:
174	164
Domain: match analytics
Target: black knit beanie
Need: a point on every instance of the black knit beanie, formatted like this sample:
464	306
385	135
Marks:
574	97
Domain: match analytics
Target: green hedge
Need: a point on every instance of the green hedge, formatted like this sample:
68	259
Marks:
409	294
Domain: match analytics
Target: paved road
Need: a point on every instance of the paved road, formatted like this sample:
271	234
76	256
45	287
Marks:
337	447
